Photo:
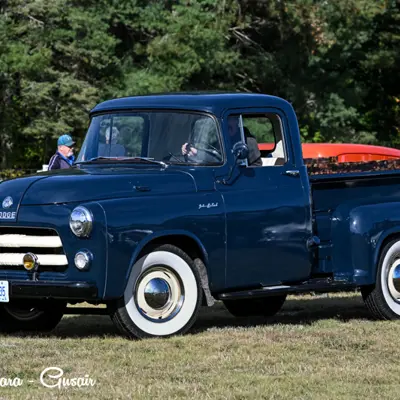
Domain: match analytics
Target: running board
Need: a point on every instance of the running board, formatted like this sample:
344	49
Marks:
318	285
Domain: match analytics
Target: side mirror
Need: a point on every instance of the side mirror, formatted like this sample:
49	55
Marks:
240	151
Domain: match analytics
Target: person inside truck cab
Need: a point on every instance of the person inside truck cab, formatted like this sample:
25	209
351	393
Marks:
111	147
254	157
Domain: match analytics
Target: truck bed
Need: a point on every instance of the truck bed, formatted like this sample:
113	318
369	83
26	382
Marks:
354	208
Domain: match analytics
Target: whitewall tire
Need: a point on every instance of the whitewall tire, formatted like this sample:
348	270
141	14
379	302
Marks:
162	297
383	299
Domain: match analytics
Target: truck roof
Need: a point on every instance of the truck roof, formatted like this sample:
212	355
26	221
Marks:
213	102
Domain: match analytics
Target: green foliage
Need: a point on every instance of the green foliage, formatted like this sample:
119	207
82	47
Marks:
11	174
337	62
261	128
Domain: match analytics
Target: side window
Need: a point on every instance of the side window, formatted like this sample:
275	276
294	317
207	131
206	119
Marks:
263	136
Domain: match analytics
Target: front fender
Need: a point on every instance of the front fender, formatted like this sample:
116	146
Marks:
164	234
136	222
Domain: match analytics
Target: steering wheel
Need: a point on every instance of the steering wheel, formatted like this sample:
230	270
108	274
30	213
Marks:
208	149
208	146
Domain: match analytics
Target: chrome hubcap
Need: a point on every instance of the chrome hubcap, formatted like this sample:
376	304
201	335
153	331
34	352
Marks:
394	280
159	294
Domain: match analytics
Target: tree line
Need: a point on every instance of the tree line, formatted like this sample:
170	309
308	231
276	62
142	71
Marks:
336	61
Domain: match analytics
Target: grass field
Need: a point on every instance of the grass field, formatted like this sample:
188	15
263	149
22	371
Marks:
315	348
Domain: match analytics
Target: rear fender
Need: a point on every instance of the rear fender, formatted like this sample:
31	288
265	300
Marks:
358	235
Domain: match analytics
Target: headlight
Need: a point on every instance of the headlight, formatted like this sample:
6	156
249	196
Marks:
81	222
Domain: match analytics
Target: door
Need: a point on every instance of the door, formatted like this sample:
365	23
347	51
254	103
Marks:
268	211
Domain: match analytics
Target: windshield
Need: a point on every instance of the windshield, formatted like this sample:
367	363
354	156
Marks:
169	137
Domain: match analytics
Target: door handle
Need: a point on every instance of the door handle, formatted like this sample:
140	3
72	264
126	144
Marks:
292	172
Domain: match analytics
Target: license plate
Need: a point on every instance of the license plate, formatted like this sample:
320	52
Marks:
4	292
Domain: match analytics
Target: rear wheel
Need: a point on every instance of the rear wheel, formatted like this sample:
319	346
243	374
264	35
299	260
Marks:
24	315
162	297
265	306
383	299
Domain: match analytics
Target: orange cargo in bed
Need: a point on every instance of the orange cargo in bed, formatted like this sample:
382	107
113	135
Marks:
345	152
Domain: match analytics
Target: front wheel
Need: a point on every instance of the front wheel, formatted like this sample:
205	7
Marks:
383	299
264	306
25	315
162	297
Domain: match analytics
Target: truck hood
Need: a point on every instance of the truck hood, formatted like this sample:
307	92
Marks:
11	194
75	185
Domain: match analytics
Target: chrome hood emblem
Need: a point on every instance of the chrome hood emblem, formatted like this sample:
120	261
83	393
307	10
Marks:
8	202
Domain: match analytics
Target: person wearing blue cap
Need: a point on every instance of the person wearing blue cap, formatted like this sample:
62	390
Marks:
64	156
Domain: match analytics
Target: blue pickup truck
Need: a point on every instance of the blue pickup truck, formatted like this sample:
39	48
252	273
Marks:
171	206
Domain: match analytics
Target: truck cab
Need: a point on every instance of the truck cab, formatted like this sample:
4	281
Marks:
170	206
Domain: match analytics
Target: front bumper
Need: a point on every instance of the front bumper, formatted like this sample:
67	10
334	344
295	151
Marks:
66	290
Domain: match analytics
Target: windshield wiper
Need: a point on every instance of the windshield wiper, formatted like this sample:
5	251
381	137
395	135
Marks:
99	160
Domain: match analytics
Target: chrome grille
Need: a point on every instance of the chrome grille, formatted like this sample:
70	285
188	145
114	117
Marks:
45	243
